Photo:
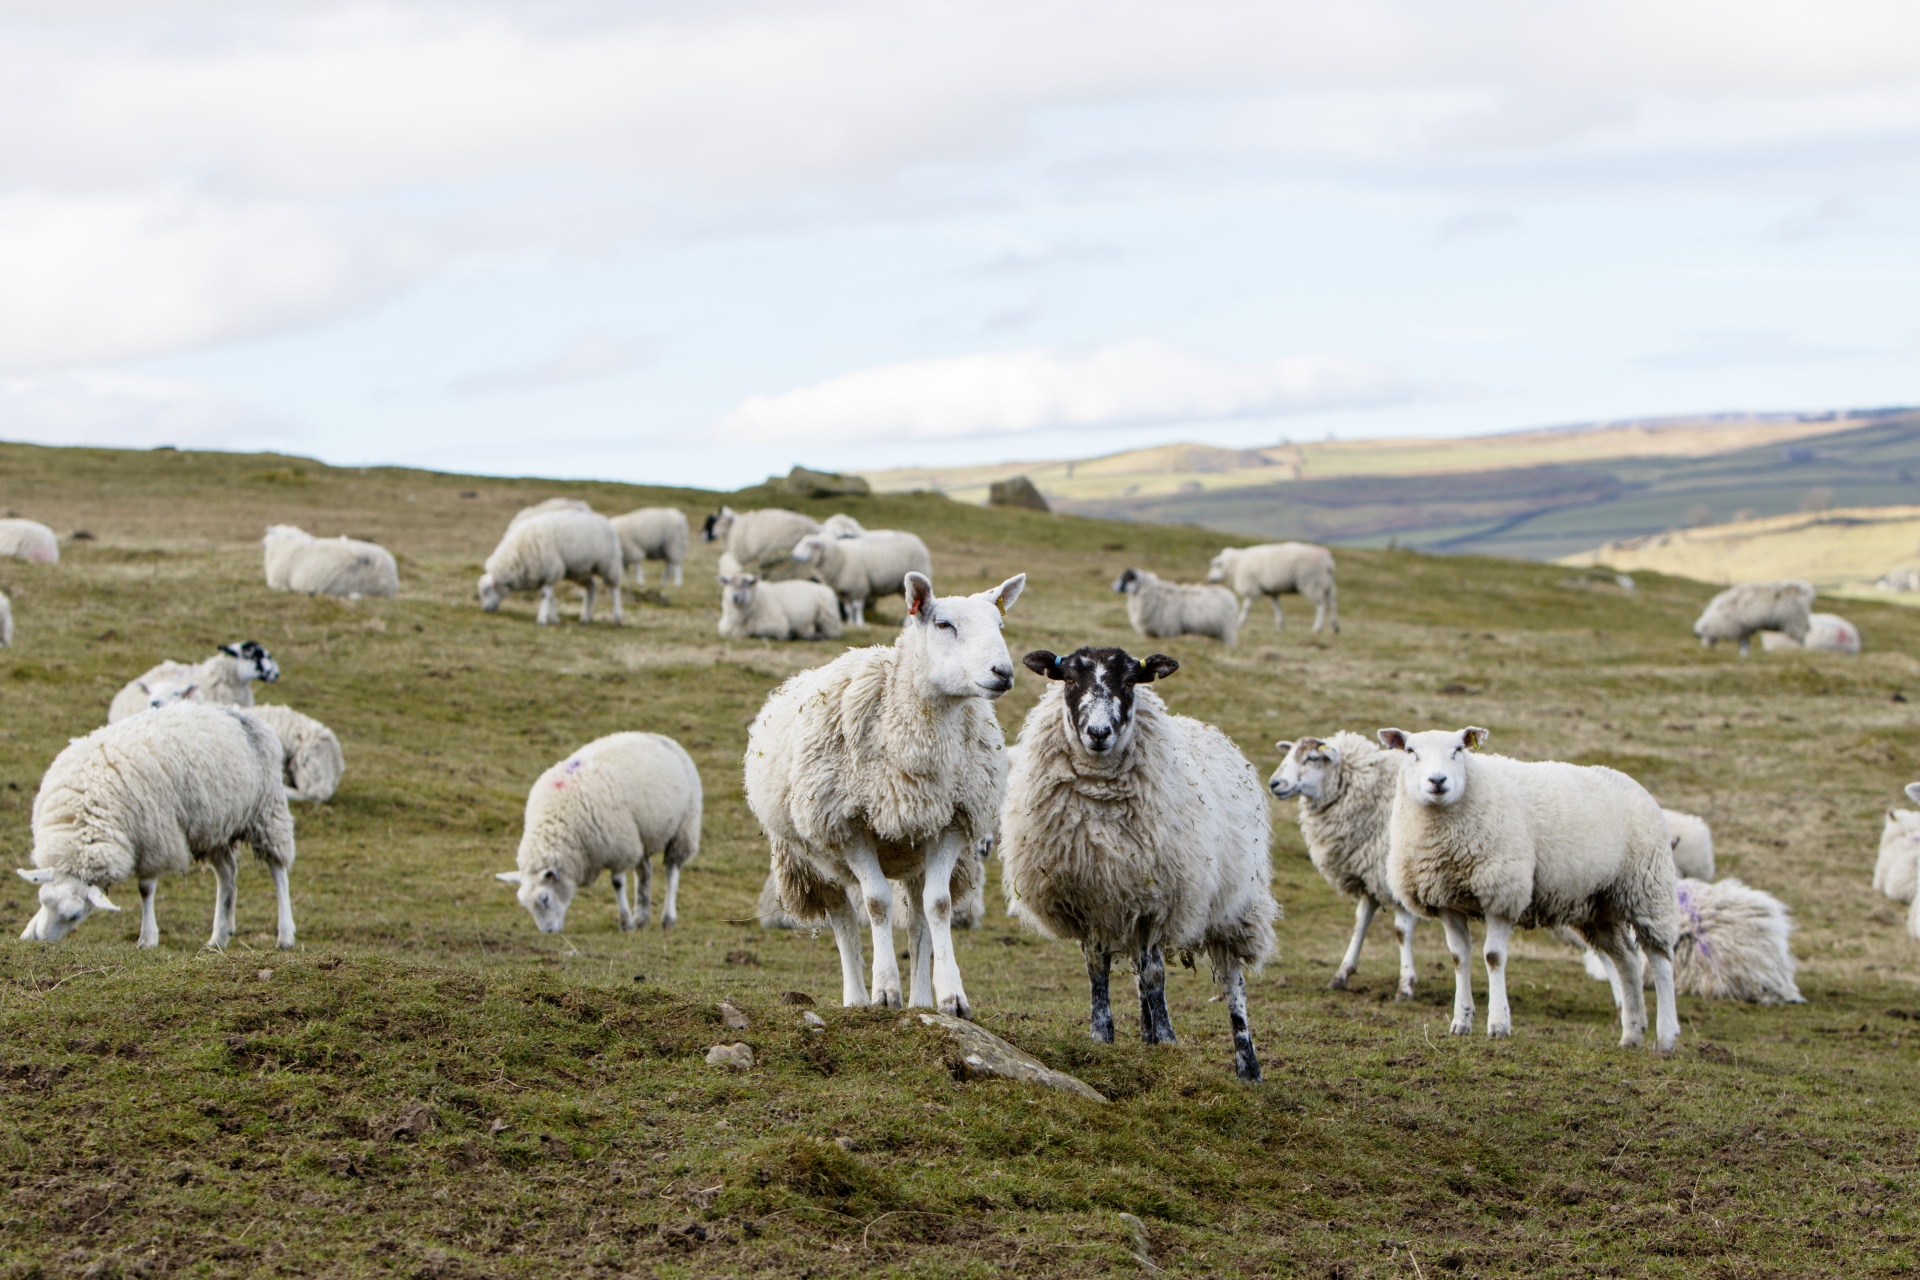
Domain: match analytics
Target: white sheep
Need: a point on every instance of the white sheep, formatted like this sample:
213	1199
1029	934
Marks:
1692	844
1346	786
1826	632
654	533
752	609
842	525
1732	945
551	547
1159	609
224	679
548	507
154	794
28	540
612	804
887	763
1738	612
1130	829
1534	844
863	567
969	912
762	541
6	621
311	759
1897	872
297	561
1275	568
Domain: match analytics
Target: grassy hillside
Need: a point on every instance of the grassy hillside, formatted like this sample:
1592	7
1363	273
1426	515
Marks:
1846	549
427	1087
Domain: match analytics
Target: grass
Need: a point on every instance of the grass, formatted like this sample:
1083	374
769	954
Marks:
427	1087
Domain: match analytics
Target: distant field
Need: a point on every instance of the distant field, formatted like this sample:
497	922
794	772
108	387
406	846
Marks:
184	1113
1845	548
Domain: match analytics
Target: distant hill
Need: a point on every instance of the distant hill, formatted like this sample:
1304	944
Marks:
1846	549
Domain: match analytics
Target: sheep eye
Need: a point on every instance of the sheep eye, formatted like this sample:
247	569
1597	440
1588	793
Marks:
944	625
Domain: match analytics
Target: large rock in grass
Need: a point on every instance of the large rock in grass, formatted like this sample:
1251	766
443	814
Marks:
1017	492
804	482
984	1055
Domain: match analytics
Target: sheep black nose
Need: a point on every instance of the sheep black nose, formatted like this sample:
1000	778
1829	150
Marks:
1006	675
1099	732
1438	782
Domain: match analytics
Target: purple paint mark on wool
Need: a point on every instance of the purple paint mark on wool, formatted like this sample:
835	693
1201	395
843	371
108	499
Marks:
1690	909
570	768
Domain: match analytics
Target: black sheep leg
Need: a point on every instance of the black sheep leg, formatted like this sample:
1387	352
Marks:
1246	1063
1099	972
1156	1024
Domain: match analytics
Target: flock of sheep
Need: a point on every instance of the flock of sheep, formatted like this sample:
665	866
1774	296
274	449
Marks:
881	779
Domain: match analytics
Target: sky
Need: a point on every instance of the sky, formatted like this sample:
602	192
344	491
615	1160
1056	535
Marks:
701	243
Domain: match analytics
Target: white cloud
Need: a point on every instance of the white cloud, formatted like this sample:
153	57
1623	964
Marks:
127	411
1002	393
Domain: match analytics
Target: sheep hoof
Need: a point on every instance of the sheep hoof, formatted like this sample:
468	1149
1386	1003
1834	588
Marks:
1247	1068
667	922
1501	1032
956	1006
627	924
889	998
1338	982
1667	1046
1461	1028
1405	992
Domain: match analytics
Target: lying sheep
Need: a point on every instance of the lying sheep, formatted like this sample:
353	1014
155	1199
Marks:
653	533
1733	945
224	679
550	547
28	540
1276	568
1826	632
1129	829
1692	842
612	804
1159	609
155	794
1897	872
860	568
1534	845
311	759
6	621
760	542
1738	612
756	610
1346	787
842	525
297	561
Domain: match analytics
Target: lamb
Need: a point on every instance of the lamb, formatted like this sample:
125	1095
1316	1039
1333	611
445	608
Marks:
653	533
311	759
1692	844
1128	828
1534	845
752	609
1275	568
154	794
859	568
1897	872
760	541
550	547
298	561
842	525
6	621
612	804
1159	609
28	540
1738	612
224	679
1732	945
1827	632
1346	786
887	763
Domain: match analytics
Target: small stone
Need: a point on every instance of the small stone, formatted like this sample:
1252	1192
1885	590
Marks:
813	1021
499	1126
795	997
265	975
736	1055
985	1055
845	1144
735	1020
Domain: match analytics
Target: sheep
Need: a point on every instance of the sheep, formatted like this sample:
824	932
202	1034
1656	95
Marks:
760	541
1732	945
1346	786
969	912
863	567
842	525
1738	612
1691	840
752	609
1275	568
298	561
550	547
1827	632
1129	828
154	794
887	763
226	679
612	804
548	507
6	621
1158	609
1897	872
312	761
653	533
1534	845
29	540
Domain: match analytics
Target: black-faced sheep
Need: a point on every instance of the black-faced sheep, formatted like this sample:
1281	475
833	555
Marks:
225	679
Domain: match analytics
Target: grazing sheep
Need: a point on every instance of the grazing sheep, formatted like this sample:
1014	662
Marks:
1692	843
1738	612
1826	632
653	533
860	568
1346	786
1732	945
28	540
887	763
1534	845
554	546
842	525
612	804
297	561
1897	873
1128	828
311	759
225	679
1275	568
155	794
1905	578
548	507
752	609
6	620
760	541
1159	609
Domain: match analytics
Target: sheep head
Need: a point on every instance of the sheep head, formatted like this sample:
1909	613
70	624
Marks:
65	901
1434	771
545	894
955	643
1308	769
1098	698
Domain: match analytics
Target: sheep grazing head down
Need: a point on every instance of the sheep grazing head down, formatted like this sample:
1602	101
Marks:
255	660
955	642
545	894
1435	769
1307	770
64	902
490	594
1099	693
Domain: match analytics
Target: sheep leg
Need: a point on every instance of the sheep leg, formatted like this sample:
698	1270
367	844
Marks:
1745	648
1246	1062
1279	623
1319	616
149	925
1499	1016
547	610
617	619
950	997
878	893
642	893
586	609
1156	1024
920	948
619	879
1624	955
1362	917
225	891
1246	604
846	937
1403	922
678	579
283	904
1099	978
1666	1026
1460	945
670	909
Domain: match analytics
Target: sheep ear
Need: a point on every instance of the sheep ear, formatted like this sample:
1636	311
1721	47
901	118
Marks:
1157	667
230	650
507	877
919	595
1913	792
1474	737
141	685
1309	745
98	897
1393	739
1044	662
1284	748
189	691
1007	592
34	875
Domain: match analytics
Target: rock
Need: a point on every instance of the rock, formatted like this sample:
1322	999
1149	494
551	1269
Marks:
984	1055
736	1055
735	1020
813	1021
1017	492
265	975
804	482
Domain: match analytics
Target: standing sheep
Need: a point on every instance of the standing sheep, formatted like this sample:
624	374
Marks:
653	533
297	561
842	525
1897	872
548	507
156	794
1738	612
752	609
1534	845
862	567
612	804
1159	609
1130	829
1275	568
1826	632
311	759
6	621
760	541
224	679
887	763
28	540
551	547
969	912
1346	787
